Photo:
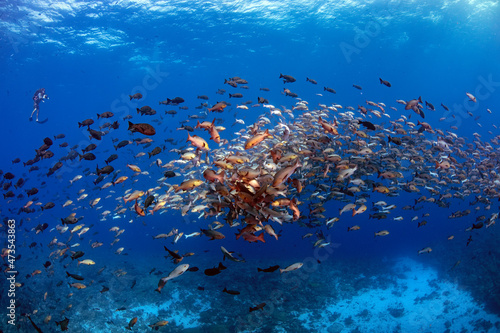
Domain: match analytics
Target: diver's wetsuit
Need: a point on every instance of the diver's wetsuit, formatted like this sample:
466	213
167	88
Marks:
37	98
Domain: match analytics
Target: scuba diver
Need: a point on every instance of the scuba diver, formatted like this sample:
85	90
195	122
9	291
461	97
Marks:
38	97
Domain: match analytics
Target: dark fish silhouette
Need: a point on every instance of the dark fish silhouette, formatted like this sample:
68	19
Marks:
385	83
74	276
63	323
269	269
142	128
367	124
258	307
287	78
215	270
135	96
231	292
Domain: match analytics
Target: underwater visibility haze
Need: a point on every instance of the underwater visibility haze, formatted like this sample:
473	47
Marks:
250	166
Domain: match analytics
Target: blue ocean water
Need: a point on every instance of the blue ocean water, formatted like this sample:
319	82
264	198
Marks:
90	56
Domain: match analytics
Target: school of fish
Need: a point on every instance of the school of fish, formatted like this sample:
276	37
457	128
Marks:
282	169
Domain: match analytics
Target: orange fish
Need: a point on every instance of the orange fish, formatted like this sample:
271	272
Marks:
198	142
251	238
276	155
161	284
133	196
188	185
138	209
295	209
219	107
211	176
443	165
285	173
252	142
204	125
327	127
159	324
270	231
131	323
214	134
120	180
77	285
360	210
297	184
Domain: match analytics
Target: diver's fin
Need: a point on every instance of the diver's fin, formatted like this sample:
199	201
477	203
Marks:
42	121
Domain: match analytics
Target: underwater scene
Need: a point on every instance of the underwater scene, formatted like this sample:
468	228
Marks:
250	166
